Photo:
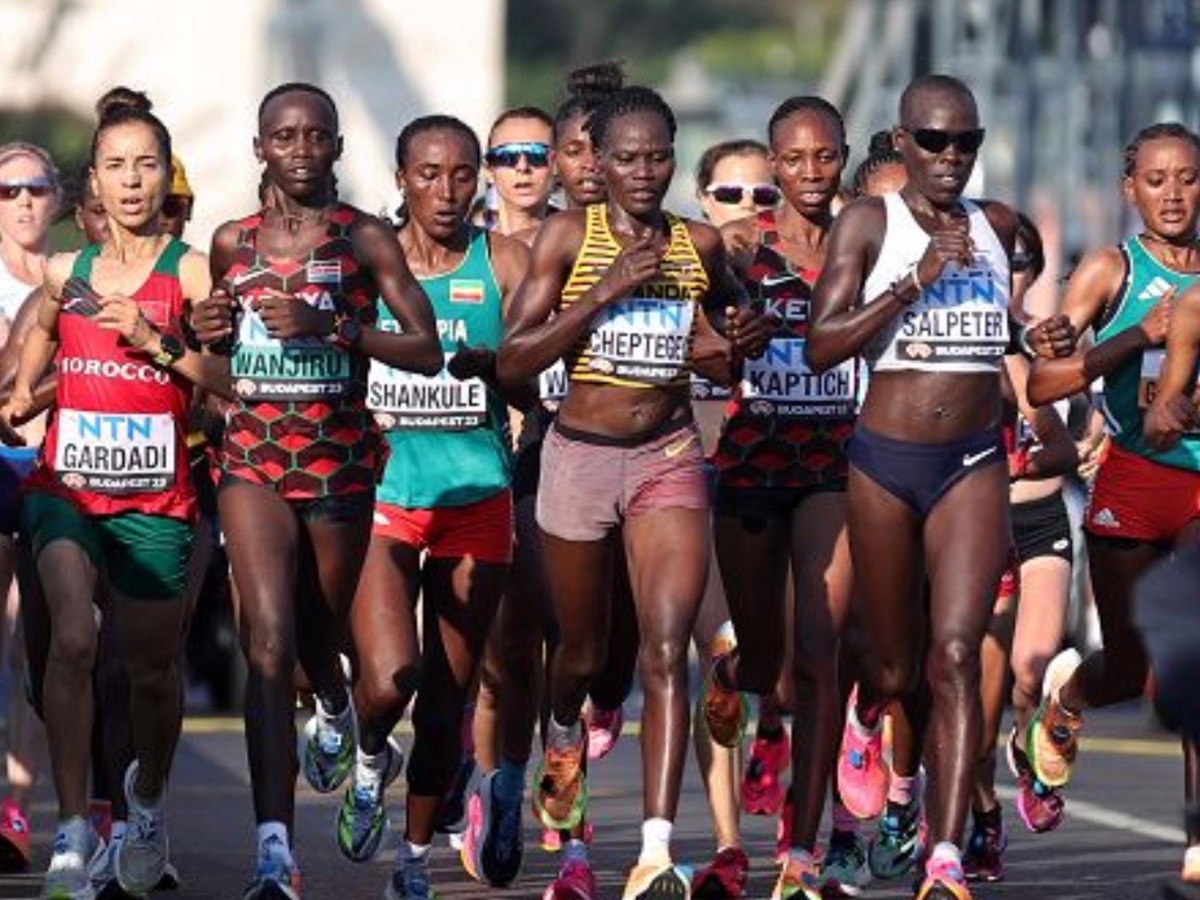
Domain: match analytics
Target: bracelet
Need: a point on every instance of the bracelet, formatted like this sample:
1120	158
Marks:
1023	342
898	287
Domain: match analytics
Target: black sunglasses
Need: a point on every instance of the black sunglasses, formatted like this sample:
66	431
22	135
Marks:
509	155
732	194
935	140
37	187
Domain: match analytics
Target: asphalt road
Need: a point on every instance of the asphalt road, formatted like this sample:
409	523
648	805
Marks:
1121	838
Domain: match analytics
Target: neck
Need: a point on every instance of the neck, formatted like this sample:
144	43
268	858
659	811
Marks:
127	246
922	205
807	231
294	212
23	263
431	255
513	219
636	226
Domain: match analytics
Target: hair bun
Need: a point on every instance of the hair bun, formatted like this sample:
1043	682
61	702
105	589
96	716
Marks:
881	144
598	78
120	100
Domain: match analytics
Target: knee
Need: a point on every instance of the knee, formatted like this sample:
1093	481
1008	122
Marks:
380	691
583	660
954	665
74	644
269	654
661	659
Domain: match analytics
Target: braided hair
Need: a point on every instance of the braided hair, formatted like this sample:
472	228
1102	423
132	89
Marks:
880	152
1158	131
587	88
632	99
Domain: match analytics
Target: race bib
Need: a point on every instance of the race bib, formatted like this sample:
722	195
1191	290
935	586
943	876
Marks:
1152	366
959	318
408	400
115	453
642	339
780	383
300	369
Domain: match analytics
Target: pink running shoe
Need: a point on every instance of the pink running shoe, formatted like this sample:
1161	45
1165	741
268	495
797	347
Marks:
863	774
603	730
551	840
14	838
762	785
575	881
724	878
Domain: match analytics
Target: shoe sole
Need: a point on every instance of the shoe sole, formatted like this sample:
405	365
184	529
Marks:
509	873
366	852
1058	672
666	886
713	888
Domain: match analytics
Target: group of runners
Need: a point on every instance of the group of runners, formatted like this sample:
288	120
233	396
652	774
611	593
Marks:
577	438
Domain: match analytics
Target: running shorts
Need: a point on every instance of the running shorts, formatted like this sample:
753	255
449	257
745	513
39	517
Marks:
1138	499
482	531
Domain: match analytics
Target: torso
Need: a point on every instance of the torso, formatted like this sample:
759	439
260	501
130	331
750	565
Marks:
301	425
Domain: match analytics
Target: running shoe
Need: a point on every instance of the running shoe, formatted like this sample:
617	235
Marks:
658	881
724	878
452	813
410	880
75	845
845	871
603	730
276	877
896	845
328	752
726	711
943	881
1040	807
560	792
360	819
984	859
762	784
575	881
862	772
493	846
798	881
1052	739
14	838
141	856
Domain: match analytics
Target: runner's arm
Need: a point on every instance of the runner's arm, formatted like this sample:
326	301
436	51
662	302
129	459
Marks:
1173	410
1057	454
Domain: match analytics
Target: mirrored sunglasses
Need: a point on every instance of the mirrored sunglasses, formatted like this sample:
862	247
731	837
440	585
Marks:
731	194
509	155
37	187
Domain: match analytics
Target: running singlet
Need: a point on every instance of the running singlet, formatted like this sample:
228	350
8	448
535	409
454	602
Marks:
643	340
1130	388
960	322
786	426
117	439
300	425
448	438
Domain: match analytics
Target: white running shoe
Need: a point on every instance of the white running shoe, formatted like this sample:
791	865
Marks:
141	856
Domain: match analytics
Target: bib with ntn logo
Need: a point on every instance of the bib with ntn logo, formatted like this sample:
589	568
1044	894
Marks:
115	453
643	340
960	321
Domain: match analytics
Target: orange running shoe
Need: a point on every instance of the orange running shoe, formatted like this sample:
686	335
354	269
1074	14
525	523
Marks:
560	793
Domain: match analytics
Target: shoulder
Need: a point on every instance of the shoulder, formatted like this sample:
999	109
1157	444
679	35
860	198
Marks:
58	270
226	237
563	232
364	225
509	256
863	220
1001	217
194	273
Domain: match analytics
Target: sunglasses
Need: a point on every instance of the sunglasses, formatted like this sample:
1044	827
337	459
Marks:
37	187
509	155
174	206
935	140
732	194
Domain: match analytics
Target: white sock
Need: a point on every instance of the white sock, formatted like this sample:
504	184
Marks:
369	768
409	850
274	829
859	728
325	717
946	852
562	737
656	841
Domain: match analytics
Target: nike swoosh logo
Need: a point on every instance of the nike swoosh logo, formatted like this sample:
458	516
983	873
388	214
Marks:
673	450
969	459
773	280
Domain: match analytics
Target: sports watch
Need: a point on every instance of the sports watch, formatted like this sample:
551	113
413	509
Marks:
170	351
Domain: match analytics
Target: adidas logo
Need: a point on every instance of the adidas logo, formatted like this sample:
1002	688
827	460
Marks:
1155	289
1106	519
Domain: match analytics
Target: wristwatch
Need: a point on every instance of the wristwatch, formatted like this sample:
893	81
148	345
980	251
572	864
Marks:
170	351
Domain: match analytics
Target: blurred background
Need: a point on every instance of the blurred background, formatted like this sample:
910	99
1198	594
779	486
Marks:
1062	84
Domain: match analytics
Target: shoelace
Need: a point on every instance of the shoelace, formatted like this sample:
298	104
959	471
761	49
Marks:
561	766
415	874
329	740
143	825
